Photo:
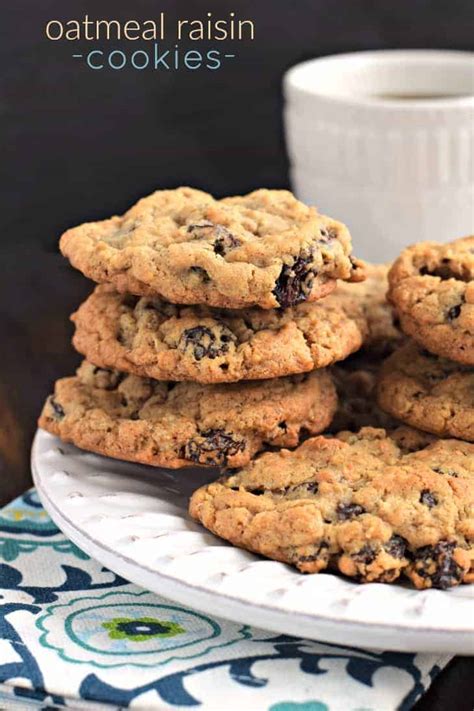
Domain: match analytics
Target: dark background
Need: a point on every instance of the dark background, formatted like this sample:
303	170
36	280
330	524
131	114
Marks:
79	144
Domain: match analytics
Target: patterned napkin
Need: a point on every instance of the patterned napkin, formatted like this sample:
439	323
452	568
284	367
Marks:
73	634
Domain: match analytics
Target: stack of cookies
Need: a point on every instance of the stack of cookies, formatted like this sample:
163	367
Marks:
208	338
213	337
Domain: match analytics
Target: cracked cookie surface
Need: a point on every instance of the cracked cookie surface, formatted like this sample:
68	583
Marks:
264	249
150	337
175	425
429	392
432	289
358	503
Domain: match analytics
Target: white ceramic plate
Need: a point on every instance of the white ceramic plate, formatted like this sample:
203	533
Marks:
134	520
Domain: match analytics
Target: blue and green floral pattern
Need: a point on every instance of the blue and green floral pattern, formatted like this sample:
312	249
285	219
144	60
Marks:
25	526
141	629
73	634
131	628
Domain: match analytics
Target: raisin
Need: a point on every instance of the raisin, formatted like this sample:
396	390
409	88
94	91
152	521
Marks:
57	409
396	547
222	245
204	343
295	281
224	240
437	564
213	447
201	273
454	312
346	511
428	499
365	555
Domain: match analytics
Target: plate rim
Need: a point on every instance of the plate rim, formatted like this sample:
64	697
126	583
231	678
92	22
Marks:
79	536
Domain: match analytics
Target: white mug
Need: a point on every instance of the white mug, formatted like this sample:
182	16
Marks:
384	141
